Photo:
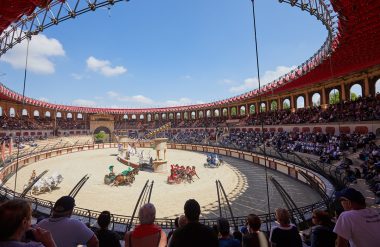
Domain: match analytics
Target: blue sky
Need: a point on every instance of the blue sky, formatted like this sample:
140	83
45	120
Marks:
150	53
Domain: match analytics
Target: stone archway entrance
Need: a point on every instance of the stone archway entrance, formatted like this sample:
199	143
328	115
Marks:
101	122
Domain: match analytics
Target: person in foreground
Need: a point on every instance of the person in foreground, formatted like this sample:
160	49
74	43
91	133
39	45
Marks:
106	237
147	234
193	233
357	226
322	234
253	236
15	219
285	234
226	240
68	232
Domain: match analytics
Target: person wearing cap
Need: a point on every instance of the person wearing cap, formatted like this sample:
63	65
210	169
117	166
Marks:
357	226
68	232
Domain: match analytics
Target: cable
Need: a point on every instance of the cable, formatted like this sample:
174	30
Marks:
23	104
260	113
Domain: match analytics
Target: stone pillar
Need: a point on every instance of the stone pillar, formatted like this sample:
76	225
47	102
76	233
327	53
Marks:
366	86
307	100
343	91
292	105
323	98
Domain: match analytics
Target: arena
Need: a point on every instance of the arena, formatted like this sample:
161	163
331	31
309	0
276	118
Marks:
295	149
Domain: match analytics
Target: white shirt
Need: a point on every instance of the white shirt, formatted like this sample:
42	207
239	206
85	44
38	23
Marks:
360	227
67	232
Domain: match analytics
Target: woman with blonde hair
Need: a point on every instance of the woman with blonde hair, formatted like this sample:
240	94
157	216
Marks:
286	234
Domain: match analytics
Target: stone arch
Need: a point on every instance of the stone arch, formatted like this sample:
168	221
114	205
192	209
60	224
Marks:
149	117
216	113
334	96
36	113
163	116
69	115
192	115
200	114
263	107
273	105
252	109
316	99
377	86
225	112
178	115
186	115
233	111
171	116
133	117
142	117
47	114
59	115
12	112
356	90
300	102
24	112
102	128
208	113
80	116
286	104
125	116
242	110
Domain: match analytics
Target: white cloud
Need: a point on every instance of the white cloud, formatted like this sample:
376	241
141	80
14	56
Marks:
77	76
186	77
181	101
41	50
84	102
104	67
44	99
269	76
227	81
112	94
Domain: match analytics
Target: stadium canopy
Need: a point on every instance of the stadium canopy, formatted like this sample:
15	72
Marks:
354	47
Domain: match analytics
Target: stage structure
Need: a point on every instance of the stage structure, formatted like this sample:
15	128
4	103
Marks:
160	163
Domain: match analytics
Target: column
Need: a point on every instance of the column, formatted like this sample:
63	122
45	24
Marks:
307	100
343	91
366	86
292	105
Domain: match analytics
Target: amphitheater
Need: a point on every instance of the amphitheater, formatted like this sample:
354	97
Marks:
260	173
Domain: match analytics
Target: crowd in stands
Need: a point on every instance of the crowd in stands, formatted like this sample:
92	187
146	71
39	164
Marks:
37	123
356	226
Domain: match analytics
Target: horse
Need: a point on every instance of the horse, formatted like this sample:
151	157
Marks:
41	186
121	179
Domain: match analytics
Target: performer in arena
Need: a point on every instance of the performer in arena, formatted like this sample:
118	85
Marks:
111	174
33	176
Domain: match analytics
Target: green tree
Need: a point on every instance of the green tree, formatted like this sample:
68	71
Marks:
101	136
286	105
334	97
353	96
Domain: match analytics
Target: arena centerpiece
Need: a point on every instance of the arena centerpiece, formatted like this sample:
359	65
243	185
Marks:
159	164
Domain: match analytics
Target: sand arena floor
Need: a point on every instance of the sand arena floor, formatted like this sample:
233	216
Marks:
169	199
243	182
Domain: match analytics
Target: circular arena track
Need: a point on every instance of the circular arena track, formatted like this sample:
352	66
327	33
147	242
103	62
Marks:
244	184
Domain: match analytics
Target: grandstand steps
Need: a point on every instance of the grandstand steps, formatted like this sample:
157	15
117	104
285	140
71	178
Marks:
370	197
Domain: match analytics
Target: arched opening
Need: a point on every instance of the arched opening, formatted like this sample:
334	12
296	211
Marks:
286	104
142	117
377	86
263	107
200	114
233	111
48	114
149	117
125	116
356	91
102	134
252	109
69	115
79	116
208	113
192	114
216	113
36	113
171	116
273	105
156	117
178	115
334	96
242	110
24	112
163	116
185	116
316	99
225	112
12	112
133	117
1	111
300	102
58	115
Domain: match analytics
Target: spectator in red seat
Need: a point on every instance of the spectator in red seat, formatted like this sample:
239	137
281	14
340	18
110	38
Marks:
68	232
286	234
358	226
193	233
15	219
147	234
106	237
